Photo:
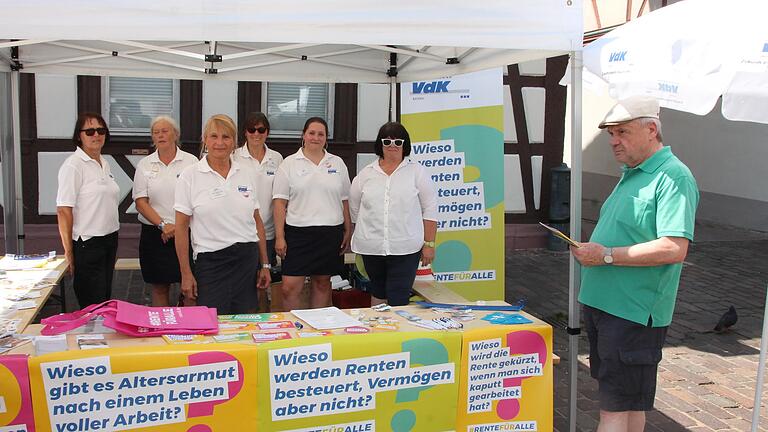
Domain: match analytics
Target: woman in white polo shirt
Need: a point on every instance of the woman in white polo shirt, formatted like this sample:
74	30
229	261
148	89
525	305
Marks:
154	185
393	202
217	201
262	163
311	211
86	205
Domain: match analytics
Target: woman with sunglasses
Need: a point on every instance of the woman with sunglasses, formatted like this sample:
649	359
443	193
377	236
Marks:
154	185
312	224
393	203
216	201
262	163
86	205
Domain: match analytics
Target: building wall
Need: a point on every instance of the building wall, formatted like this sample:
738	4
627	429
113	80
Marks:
534	109
727	158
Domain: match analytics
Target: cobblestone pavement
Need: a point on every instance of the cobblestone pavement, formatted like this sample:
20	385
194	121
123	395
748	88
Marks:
706	380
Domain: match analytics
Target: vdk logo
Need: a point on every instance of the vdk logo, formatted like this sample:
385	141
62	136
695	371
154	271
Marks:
617	56
430	87
667	88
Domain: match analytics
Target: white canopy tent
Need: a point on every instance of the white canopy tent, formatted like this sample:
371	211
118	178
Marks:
299	40
360	41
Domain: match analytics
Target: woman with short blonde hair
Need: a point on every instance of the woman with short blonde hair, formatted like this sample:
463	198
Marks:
217	201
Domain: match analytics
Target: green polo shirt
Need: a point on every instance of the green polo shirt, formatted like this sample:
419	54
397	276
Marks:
657	198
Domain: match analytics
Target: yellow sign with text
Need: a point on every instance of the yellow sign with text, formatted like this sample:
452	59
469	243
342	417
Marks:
195	388
506	381
384	381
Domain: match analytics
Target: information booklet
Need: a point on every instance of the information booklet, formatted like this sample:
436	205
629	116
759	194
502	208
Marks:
326	318
559	234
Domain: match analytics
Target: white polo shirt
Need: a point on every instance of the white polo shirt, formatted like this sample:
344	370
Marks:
389	210
314	192
91	191
156	181
263	173
220	210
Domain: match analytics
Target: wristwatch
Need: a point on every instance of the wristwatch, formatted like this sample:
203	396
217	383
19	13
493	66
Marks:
267	266
429	244
608	256
161	225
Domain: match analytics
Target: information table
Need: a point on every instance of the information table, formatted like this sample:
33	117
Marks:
393	377
51	275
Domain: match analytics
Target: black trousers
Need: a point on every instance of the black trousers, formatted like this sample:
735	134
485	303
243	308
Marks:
94	267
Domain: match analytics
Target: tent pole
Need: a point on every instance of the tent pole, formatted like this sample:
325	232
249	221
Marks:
18	193
11	158
393	99
392	73
760	370
574	271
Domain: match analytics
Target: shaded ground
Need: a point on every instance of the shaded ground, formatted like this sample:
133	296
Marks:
706	380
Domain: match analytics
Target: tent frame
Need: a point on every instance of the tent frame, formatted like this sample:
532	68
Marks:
489	46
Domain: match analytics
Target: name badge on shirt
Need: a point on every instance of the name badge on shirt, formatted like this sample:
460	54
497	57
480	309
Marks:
332	171
244	191
217	193
270	173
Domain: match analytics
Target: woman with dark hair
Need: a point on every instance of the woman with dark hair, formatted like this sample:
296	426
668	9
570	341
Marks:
393	203
86	205
312	224
216	202
154	185
261	163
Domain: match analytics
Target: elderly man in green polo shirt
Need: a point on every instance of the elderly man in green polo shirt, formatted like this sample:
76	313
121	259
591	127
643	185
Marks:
631	265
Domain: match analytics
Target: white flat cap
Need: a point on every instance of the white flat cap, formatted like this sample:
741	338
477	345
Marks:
633	107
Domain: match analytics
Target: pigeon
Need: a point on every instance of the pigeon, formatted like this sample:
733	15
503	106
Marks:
727	320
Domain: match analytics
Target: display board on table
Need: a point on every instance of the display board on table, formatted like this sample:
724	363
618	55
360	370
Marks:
456	127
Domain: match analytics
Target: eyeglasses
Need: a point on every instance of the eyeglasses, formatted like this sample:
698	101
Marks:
94	131
398	142
254	129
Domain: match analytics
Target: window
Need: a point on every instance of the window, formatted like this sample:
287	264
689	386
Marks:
289	105
131	103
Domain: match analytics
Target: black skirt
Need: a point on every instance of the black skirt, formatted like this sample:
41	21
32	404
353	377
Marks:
159	264
313	250
226	278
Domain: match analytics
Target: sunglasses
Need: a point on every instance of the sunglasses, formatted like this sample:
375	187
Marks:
94	131
398	142
254	129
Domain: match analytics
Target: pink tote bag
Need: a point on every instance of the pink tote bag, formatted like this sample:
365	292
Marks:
137	320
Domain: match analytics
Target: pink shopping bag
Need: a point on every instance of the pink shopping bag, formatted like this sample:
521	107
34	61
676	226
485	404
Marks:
137	320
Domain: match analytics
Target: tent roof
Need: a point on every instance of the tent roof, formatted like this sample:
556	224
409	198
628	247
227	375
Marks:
291	40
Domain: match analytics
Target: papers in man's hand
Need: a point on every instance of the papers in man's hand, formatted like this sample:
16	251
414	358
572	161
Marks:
559	234
326	318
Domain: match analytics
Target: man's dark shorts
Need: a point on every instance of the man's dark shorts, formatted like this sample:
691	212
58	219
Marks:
623	357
